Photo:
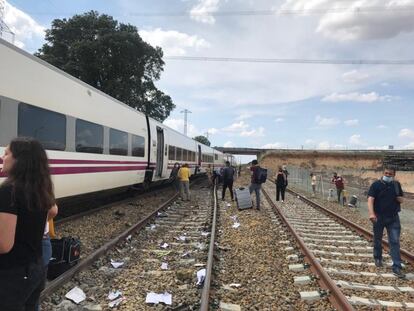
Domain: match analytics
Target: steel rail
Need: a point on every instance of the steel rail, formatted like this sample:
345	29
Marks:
336	297
406	255
205	295
90	259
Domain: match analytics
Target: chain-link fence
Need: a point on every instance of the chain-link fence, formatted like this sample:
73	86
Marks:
324	188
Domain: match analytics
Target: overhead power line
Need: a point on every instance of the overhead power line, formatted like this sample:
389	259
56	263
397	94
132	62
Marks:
406	9
295	60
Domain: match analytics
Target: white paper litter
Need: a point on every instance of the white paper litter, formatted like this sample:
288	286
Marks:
165	245
76	295
116	264
234	217
114	294
201	275
182	238
157	298
164	266
116	302
152	227
185	254
205	233
228	205
129	238
236	225
234	285
200	246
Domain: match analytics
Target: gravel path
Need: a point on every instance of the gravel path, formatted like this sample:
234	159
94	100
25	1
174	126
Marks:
183	226
254	256
96	229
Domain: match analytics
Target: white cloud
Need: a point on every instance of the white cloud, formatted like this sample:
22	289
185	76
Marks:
382	126
253	132
173	42
354	76
272	146
178	125
309	141
351	23
278	120
406	133
326	122
356	97
356	140
324	145
228	144
200	12
24	27
212	131
352	122
409	146
236	127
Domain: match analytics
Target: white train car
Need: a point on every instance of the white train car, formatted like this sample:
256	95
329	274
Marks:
93	141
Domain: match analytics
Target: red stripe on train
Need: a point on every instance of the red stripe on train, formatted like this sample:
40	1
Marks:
84	170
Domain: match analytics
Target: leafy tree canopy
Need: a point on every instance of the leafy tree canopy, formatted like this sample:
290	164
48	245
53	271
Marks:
202	139
110	56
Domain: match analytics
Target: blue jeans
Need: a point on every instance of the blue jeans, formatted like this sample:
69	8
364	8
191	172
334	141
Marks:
393	230
46	251
256	188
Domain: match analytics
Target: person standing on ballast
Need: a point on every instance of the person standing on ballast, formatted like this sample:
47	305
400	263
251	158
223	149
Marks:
384	203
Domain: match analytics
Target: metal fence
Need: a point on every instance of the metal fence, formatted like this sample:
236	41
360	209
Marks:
299	178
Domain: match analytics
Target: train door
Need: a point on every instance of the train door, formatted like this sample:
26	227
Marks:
160	152
199	156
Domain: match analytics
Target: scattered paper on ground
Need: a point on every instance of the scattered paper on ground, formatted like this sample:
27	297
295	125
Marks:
157	298
76	295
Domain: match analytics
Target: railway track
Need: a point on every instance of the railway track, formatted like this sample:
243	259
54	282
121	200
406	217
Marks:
177	234
339	255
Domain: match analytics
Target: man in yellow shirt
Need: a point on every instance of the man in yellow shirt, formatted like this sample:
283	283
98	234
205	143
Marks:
184	176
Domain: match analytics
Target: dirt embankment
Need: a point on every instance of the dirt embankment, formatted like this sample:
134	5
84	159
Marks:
358	169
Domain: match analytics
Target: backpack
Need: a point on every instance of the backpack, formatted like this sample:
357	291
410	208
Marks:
261	175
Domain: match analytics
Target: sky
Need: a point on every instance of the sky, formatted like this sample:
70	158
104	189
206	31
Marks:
268	104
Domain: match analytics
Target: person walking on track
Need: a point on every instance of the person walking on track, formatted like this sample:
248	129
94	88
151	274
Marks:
384	203
228	177
184	176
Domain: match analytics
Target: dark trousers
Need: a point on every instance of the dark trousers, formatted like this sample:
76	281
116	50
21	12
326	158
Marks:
20	287
393	226
338	192
280	190
227	184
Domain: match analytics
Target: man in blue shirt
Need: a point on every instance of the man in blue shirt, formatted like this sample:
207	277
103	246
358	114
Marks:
384	198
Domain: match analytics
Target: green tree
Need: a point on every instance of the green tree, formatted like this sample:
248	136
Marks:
110	56
202	139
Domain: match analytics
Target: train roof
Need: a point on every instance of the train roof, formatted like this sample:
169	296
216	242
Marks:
76	80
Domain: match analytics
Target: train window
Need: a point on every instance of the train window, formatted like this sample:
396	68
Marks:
185	155
178	154
46	126
89	137
216	157
138	146
118	142
193	156
171	153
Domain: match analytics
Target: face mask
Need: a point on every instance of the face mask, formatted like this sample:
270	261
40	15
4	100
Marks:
387	178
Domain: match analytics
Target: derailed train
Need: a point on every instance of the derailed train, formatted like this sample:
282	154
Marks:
93	141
